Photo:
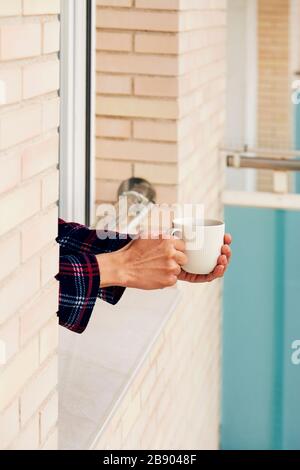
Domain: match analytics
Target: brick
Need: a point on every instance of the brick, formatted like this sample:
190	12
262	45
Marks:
157	348
136	107
194	40
156	86
138	379
51	37
131	415
147	384
10	171
162	174
39	156
136	150
40	78
18	205
106	127
49	415
9	335
202	5
11	85
28	438
106	191
11	8
137	20
28	43
113	84
49	263
37	390
166	194
50	188
52	441
9	254
114	3
17	372
156	43
195	130
48	339
9	424
158	4
141	64
39	312
155	130
20	125
108	169
39	232
18	289
109	41
36	7
50	114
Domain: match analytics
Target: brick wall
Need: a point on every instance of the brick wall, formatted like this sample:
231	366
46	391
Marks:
274	81
136	104
29	118
160	115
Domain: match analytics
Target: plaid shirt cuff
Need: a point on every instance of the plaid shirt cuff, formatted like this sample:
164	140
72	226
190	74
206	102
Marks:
79	281
79	275
111	294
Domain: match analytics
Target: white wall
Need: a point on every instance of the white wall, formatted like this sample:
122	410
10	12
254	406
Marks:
241	86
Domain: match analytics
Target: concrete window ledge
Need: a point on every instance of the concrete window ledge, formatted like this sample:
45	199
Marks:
97	367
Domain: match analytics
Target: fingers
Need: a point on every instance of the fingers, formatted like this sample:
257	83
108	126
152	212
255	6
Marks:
178	244
220	268
173	268
222	260
217	272
180	258
227	239
226	251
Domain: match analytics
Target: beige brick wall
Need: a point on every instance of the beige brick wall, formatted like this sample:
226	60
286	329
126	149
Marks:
29	119
274	81
160	115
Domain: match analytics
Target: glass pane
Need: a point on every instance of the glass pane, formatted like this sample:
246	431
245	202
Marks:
262	65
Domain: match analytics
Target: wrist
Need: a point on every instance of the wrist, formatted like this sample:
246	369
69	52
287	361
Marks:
112	269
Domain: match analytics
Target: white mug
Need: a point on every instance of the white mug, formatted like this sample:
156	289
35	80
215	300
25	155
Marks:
204	239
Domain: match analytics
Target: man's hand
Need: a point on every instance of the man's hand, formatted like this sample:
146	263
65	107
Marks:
154	264
219	270
144	264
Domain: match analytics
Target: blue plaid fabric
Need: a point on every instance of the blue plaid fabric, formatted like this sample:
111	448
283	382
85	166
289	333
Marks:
79	276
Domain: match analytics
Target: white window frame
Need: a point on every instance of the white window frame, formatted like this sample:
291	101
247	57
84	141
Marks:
77	109
242	86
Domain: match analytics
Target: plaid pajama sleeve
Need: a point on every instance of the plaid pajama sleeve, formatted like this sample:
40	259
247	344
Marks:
79	276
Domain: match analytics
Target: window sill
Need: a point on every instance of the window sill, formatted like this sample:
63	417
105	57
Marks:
97	367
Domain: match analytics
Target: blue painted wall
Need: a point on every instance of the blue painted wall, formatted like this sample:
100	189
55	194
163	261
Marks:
297	140
260	409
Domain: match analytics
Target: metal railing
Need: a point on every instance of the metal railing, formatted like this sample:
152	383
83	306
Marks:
241	160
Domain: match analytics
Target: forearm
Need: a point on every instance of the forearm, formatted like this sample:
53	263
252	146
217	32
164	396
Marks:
112	267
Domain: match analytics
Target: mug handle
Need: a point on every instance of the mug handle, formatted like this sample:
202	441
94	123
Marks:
176	232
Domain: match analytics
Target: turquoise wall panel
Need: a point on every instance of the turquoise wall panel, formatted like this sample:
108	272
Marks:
261	319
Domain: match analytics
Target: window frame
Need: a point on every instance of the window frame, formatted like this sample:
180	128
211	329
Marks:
77	84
